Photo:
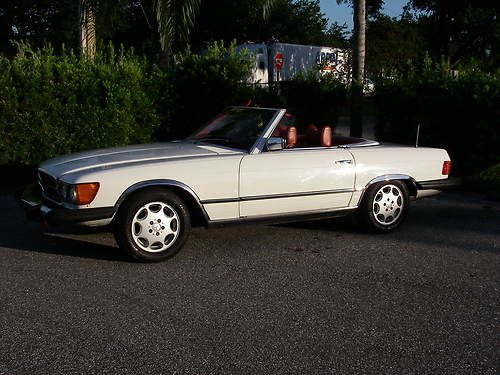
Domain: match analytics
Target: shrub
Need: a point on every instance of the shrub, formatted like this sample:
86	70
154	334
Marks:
319	99
461	114
203	84
51	105
490	177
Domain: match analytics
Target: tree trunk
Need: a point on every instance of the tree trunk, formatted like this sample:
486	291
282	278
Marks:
358	68
87	28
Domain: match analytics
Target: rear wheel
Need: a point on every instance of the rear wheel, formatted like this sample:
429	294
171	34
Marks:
385	206
152	225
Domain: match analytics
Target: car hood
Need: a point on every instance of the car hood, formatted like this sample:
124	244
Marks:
118	156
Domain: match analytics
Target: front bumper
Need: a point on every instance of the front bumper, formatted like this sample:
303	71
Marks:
56	215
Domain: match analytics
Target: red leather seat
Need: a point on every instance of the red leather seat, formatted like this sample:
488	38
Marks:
291	137
280	131
288	133
326	136
316	137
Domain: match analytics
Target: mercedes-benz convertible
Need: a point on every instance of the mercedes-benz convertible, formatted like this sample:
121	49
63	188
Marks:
246	165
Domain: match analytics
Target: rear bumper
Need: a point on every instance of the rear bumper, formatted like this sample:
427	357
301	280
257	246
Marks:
442	184
60	215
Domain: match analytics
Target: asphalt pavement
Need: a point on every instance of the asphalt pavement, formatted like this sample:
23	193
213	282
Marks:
308	298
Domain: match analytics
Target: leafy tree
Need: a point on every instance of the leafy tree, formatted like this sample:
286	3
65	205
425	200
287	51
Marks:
133	23
391	43
38	22
175	19
293	21
461	29
298	21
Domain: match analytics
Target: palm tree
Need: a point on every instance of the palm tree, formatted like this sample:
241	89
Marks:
176	19
358	68
87	28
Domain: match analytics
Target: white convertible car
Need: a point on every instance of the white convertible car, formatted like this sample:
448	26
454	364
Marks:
248	164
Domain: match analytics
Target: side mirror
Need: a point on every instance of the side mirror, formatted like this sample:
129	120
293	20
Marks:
275	144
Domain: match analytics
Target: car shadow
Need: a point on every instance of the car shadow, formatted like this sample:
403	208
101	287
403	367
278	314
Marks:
338	224
58	243
54	243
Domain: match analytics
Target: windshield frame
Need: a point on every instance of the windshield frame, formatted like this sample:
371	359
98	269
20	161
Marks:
261	140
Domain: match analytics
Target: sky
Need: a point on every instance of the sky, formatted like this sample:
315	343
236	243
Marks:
343	13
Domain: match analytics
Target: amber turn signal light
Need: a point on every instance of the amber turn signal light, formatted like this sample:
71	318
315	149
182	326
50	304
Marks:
85	193
446	168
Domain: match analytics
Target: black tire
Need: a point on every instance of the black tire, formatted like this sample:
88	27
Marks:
383	195
134	218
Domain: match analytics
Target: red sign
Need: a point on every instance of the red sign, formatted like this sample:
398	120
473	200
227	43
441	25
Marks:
278	61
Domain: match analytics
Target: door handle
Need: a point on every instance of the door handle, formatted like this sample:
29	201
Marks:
343	162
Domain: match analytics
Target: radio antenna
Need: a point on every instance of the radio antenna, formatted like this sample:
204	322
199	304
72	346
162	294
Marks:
418	134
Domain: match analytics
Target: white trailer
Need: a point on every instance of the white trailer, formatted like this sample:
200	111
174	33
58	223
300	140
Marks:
276	61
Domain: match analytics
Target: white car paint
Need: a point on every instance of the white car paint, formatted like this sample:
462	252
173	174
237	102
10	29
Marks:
295	171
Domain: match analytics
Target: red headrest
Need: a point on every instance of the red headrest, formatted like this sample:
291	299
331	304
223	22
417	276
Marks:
291	137
280	131
326	136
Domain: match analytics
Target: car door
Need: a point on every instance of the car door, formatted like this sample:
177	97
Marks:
295	181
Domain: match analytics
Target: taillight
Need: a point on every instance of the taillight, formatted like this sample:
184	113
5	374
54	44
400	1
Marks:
446	168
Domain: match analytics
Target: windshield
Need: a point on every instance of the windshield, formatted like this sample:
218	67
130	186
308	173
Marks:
236	127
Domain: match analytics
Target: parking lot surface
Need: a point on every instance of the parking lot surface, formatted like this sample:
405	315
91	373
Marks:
318	297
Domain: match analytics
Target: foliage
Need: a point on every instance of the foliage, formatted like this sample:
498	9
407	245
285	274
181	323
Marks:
203	84
301	22
391	44
459	113
38	22
291	21
133	23
53	105
373	7
461	29
490	178
315	97
175	19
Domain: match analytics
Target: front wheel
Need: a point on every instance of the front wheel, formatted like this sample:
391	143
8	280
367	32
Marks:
385	206
152	225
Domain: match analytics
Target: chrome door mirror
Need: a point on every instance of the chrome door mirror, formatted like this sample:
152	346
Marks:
275	144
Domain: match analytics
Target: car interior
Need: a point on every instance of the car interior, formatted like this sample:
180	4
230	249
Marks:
299	136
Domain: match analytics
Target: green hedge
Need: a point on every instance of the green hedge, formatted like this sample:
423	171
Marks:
460	113
320	100
51	105
201	85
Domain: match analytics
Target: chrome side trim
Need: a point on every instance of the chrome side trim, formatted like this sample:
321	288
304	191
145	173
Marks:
151	183
222	200
388	177
277	196
284	218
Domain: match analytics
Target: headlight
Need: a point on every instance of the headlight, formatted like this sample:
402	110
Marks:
78	194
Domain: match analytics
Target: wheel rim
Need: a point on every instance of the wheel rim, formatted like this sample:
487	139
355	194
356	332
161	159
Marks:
388	204
155	227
